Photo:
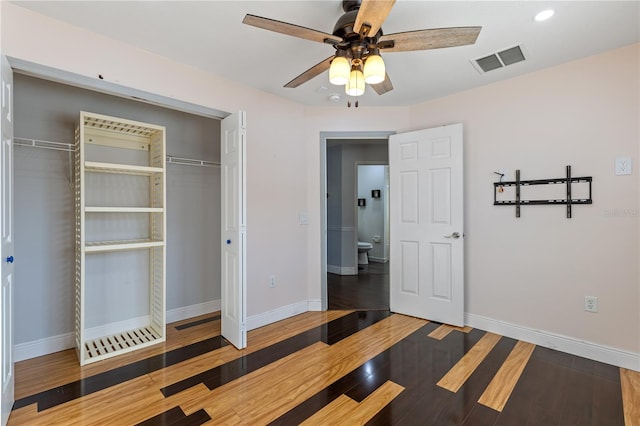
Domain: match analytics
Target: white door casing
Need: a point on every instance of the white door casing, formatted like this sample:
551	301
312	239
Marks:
233	221
6	244
426	220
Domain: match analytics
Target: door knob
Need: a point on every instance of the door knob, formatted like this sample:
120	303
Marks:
10	259
453	235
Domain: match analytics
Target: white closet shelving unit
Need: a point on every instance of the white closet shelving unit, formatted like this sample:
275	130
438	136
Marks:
120	182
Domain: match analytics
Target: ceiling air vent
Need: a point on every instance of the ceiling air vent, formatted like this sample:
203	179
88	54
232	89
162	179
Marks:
499	59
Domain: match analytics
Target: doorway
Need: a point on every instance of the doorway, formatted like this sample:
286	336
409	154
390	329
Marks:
347	284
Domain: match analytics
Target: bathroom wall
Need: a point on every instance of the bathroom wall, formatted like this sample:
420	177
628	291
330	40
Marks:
334	208
371	217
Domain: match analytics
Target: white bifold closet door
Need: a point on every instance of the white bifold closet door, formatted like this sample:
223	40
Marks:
6	244
233	218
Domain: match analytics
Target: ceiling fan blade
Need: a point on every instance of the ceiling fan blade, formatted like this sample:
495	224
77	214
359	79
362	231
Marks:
384	87
371	15
312	72
430	39
290	29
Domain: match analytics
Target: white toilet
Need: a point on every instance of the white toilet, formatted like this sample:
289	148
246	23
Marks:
363	249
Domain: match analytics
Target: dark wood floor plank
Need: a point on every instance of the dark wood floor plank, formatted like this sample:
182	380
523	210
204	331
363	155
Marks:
561	389
422	400
607	402
481	416
176	417
367	290
578	404
194	323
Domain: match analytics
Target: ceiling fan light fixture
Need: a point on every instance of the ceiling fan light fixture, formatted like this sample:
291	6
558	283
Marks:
339	71
355	85
374	69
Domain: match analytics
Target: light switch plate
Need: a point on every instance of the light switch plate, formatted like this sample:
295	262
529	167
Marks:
303	218
623	166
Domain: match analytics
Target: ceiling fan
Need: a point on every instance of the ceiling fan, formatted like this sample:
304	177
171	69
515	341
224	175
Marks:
358	40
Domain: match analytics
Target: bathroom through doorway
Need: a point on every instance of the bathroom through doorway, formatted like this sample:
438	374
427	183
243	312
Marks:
356	211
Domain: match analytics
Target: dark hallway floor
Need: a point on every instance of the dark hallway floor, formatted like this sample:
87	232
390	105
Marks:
367	290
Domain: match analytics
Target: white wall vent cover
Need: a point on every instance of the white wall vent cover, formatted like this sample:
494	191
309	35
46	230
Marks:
499	59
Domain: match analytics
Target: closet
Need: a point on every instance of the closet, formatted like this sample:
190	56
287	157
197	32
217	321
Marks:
46	115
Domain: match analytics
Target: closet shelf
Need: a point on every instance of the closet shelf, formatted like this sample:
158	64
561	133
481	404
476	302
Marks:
123	209
106	246
115	344
94	166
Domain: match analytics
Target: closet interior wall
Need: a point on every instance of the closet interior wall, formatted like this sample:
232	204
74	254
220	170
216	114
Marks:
44	206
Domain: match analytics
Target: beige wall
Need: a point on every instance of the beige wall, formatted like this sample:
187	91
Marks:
535	271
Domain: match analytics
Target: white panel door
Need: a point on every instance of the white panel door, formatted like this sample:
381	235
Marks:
234	294
6	245
426	220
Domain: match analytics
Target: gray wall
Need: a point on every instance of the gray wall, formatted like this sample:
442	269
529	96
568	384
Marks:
342	156
44	250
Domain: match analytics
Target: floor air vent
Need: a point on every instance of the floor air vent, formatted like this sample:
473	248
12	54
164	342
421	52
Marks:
500	59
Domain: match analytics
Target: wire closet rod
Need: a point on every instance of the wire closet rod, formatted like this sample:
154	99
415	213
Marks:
191	162
68	147
35	143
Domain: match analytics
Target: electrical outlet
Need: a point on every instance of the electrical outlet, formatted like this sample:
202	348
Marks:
591	304
272	281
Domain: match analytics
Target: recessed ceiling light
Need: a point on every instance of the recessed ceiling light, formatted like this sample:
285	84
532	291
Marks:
544	15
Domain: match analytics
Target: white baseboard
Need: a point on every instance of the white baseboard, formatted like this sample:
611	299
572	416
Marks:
590	350
378	259
45	346
315	305
257	321
342	270
49	345
185	312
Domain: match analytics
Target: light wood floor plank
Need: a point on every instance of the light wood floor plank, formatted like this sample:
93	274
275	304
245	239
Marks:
375	402
349	412
455	378
339	408
262	397
104	407
630	383
444	330
499	390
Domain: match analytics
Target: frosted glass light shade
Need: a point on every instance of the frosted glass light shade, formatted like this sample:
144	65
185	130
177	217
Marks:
339	71
374	70
355	85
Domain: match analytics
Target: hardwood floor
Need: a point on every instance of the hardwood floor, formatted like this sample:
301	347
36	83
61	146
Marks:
335	367
367	290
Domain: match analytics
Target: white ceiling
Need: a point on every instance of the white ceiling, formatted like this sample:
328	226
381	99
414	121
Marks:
210	35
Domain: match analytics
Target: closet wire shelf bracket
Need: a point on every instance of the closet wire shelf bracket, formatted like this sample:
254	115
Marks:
567	181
